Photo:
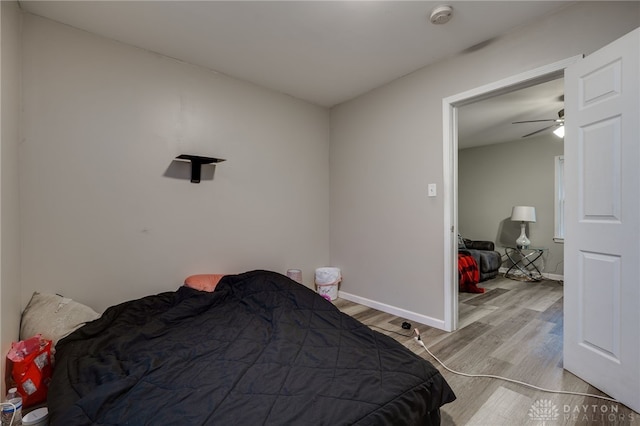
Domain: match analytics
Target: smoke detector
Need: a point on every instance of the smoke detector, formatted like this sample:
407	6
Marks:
441	14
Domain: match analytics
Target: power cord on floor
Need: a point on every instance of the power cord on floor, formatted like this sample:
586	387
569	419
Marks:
491	376
419	340
390	331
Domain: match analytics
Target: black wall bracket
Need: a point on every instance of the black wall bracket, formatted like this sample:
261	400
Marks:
196	164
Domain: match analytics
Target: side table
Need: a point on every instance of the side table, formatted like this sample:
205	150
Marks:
523	265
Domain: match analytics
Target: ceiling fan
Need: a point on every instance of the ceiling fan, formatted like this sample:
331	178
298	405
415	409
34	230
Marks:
557	122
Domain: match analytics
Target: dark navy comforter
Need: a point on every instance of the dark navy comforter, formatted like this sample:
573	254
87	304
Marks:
260	349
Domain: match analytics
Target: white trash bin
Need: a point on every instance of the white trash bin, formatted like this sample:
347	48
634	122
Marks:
37	417
327	280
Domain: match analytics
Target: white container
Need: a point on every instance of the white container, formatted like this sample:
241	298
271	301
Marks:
328	275
327	280
330	290
37	417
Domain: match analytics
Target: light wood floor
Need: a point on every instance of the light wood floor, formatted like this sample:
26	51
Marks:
514	329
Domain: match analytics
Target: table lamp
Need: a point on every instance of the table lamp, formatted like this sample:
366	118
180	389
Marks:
523	214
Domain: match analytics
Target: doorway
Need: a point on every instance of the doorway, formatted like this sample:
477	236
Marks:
451	107
507	157
602	100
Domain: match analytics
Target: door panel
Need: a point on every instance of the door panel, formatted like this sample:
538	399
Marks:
602	213
600	333
601	84
600	168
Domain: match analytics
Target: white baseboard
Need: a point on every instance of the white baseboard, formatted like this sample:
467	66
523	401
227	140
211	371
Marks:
399	312
554	277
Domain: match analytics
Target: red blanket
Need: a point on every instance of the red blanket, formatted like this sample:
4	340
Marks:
468	274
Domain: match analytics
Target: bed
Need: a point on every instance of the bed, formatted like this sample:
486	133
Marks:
260	349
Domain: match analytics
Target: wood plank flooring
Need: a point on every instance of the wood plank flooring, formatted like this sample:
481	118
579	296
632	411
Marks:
514	329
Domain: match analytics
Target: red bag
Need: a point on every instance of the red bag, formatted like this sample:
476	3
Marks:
31	369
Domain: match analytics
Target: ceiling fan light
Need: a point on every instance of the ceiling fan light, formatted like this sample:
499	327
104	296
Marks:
559	132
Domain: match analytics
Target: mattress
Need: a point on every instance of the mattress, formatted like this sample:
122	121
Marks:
260	349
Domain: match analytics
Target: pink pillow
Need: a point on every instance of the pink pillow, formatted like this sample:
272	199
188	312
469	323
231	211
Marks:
203	282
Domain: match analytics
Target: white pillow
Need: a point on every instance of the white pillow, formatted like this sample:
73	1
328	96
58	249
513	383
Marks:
54	317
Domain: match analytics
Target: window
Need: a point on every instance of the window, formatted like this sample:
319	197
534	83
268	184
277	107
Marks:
558	233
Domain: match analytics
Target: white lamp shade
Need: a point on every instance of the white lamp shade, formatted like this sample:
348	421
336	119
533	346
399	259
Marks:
559	132
523	214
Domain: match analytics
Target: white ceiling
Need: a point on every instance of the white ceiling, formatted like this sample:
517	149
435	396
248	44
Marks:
491	120
324	52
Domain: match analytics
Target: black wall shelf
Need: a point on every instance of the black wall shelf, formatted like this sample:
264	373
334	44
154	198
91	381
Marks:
196	164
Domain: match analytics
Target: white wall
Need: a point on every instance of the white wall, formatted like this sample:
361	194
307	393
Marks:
494	178
102	122
9	197
386	146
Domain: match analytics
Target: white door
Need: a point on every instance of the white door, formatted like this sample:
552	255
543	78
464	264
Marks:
602	213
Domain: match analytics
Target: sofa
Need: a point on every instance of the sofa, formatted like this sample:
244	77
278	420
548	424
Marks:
488	260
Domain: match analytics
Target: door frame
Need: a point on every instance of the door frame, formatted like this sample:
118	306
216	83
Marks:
450	107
